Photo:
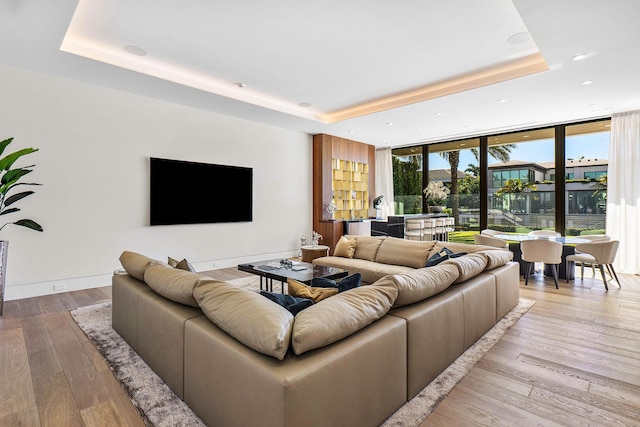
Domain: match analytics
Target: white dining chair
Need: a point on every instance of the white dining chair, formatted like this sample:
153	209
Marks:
591	238
490	232
545	251
599	253
544	233
482	239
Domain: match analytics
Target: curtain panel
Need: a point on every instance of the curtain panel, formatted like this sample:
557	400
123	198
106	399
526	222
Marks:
384	180
623	190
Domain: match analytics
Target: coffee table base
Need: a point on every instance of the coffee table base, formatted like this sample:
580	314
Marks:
269	271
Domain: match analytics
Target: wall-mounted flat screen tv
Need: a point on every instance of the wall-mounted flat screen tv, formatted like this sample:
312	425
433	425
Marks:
197	193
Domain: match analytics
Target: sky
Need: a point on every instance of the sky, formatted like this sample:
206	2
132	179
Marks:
591	146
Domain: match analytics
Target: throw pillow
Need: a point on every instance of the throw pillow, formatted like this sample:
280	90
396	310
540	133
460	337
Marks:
345	284
300	290
438	257
323	282
293	304
345	248
350	282
443	255
182	265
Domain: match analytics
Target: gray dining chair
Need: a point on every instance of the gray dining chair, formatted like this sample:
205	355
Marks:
545	251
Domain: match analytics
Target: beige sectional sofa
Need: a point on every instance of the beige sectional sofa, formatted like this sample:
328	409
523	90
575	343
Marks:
237	358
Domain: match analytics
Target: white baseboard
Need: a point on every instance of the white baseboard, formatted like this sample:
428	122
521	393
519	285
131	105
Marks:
30	290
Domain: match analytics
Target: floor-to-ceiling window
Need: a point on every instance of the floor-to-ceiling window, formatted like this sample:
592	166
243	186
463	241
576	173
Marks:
407	180
586	165
455	166
523	190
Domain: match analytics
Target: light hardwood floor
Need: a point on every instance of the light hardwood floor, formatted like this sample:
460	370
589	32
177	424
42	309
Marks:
573	359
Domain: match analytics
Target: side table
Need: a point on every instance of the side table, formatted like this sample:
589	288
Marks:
310	252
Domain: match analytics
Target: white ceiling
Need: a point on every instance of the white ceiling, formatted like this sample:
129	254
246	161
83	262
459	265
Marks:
385	73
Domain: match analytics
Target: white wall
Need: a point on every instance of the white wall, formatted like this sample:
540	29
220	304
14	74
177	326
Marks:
93	162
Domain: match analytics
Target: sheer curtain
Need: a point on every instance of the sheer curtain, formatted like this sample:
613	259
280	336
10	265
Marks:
384	180
623	190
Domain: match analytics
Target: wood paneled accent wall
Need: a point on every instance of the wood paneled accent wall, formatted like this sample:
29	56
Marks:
326	148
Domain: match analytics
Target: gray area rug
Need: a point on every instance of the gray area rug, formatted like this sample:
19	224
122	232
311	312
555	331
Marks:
159	406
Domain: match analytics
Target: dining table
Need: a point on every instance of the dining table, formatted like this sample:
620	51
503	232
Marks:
568	248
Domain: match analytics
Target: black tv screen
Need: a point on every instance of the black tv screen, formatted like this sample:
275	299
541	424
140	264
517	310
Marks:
197	193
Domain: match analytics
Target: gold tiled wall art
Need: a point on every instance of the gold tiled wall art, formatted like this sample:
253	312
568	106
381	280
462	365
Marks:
350	189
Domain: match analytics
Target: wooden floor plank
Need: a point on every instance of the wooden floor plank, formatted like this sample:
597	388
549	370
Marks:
56	404
16	385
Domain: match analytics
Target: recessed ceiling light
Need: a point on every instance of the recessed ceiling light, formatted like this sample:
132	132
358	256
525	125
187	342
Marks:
349	131
502	100
135	50
587	82
241	85
579	57
518	38
439	113
304	104
389	123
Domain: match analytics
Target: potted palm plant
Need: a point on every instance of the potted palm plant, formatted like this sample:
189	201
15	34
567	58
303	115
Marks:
9	180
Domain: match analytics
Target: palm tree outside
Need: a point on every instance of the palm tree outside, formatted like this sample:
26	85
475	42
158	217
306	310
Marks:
499	152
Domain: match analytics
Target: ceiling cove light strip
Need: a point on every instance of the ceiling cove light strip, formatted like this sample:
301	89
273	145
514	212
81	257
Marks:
80	39
520	67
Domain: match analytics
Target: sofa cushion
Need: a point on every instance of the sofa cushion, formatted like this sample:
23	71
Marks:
247	316
315	294
422	283
293	304
172	283
404	252
495	258
468	266
135	264
370	271
367	247
345	247
340	316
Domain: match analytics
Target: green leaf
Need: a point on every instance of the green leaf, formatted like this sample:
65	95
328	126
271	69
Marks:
11	177
4	144
8	160
29	224
8	211
14	198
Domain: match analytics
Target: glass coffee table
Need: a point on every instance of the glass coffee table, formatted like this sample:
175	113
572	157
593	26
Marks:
281	270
